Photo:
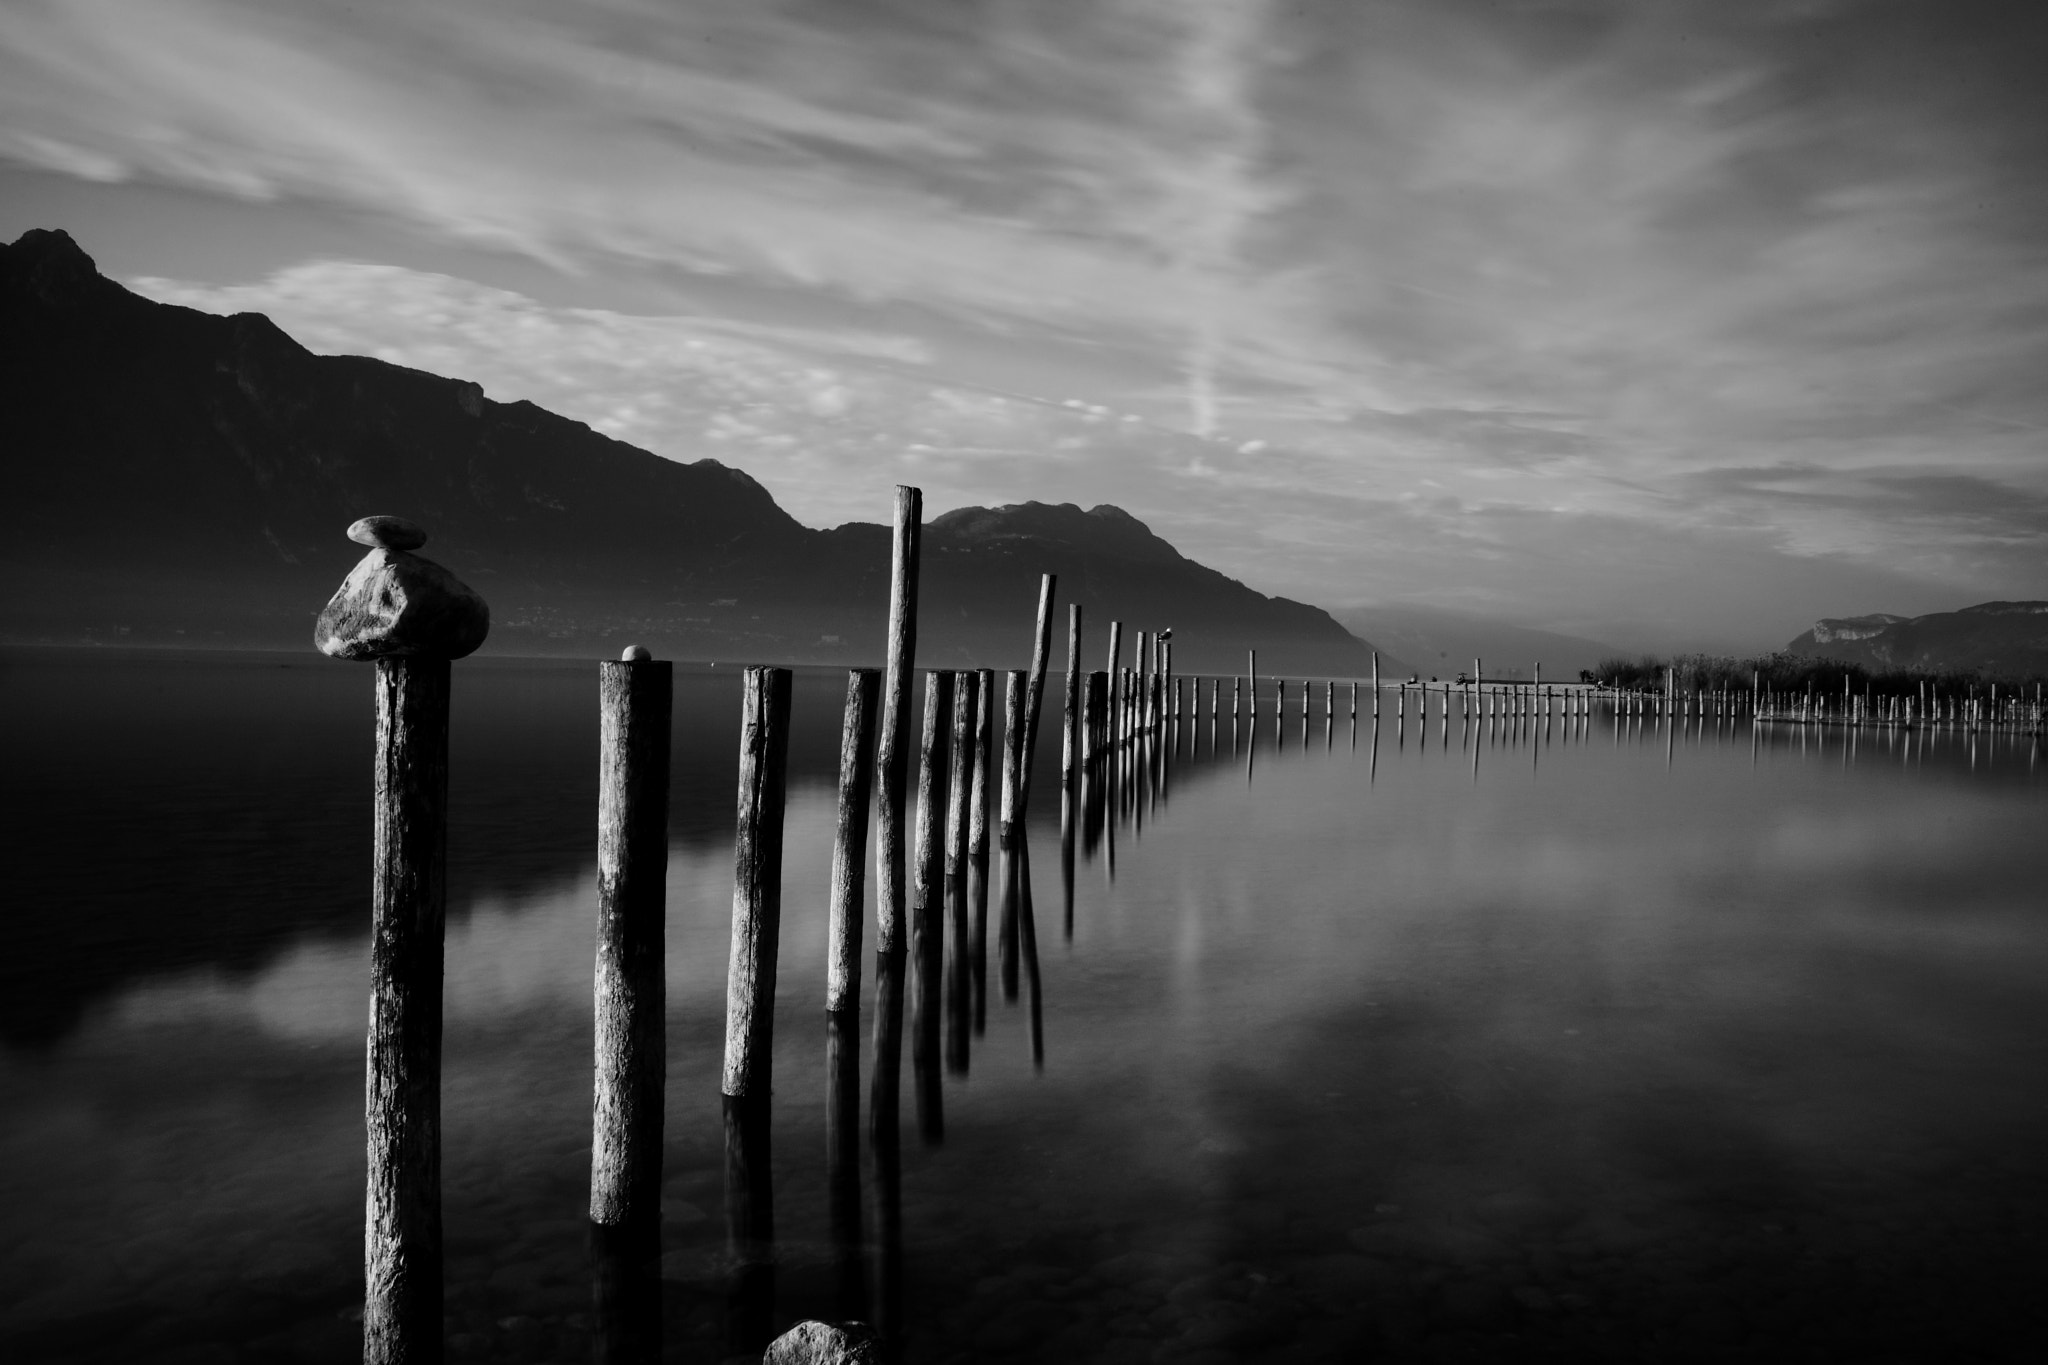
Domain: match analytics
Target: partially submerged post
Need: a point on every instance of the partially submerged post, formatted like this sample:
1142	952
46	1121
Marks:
1041	646
1009	832
1070	747
412	617
977	839
750	999
635	699
927	904
892	770
842	980
959	984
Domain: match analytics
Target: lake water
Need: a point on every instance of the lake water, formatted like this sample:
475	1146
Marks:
1584	1041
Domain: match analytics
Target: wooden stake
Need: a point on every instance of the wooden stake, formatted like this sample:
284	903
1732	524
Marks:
635	700
1041	646
757	885
927	905
402	1241
892	760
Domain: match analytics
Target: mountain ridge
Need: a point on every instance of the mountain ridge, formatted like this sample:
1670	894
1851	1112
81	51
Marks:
1999	639
183	477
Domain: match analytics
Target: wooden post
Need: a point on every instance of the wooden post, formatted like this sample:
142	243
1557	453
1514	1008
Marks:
1375	687
844	917
977	840
750	999
635	699
1011	828
849	845
892	758
757	884
1041	646
402	1252
927	909
1070	748
959	977
1115	698
1251	687
412	618
892	772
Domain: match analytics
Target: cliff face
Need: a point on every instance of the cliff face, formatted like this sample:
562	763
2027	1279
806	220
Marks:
2001	639
181	477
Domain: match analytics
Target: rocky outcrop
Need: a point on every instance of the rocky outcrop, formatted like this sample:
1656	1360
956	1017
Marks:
1997	639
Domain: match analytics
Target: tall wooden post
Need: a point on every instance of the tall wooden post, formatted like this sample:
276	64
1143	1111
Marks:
435	619
750	1000
977	839
892	771
757	885
844	916
927	904
1041	646
635	699
959	807
1010	832
1070	749
892	759
402	1242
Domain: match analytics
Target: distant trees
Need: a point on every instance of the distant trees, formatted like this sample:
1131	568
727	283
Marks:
1783	671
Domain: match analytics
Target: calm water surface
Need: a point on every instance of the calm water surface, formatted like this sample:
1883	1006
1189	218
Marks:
1578	1042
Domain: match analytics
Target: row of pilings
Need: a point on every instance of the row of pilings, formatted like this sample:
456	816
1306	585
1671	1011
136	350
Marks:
933	845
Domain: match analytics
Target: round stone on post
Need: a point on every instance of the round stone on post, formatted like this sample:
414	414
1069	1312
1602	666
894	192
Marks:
394	604
411	617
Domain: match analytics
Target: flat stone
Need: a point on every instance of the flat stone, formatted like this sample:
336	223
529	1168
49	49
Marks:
397	605
387	533
823	1343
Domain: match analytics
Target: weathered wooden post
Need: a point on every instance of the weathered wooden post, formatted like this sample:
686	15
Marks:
757	884
411	617
1375	689
892	770
843	928
959	980
1251	687
1010	830
977	839
635	700
927	908
750	999
1041	647
1117	694
1070	747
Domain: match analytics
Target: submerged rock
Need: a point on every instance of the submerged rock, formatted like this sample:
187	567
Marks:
396	605
823	1343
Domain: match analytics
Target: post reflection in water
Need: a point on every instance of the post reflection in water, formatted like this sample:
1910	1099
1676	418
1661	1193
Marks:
749	1224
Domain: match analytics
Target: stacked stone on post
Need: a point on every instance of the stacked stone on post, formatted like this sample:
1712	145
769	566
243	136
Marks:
411	617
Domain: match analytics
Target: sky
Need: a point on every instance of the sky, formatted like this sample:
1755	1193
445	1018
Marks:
1675	323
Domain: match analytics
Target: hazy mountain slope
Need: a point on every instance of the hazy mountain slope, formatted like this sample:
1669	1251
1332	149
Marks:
2003	639
1443	643
178	476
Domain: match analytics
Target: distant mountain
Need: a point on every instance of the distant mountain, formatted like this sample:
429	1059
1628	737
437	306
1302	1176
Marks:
1443	643
2000	639
177	477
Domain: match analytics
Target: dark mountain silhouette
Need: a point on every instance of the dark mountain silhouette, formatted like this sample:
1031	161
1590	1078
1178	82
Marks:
1998	639
180	477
